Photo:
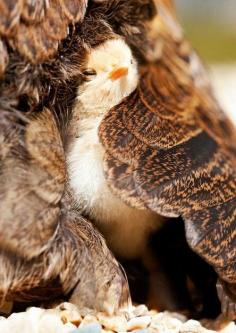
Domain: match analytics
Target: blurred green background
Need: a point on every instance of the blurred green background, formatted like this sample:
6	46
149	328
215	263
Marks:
211	26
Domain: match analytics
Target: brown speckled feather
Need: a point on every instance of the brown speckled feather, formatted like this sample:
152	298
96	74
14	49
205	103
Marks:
47	249
34	28
32	176
170	148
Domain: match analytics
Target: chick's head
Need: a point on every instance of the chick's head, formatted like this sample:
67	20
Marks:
111	75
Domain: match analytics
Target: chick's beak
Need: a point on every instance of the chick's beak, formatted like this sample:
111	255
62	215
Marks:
118	73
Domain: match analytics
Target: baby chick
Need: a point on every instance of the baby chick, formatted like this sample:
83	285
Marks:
112	75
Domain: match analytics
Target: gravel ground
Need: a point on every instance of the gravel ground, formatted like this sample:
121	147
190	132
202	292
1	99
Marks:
66	318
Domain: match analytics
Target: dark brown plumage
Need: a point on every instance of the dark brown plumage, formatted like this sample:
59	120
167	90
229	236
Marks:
34	28
170	148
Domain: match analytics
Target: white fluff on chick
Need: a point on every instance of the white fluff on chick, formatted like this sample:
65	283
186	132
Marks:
115	77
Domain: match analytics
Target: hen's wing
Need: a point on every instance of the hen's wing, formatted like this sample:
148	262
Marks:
170	148
158	156
34	28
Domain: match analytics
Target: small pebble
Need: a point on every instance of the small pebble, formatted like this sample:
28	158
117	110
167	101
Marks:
90	328
141	331
138	323
89	319
71	317
162	323
193	326
152	313
140	310
113	323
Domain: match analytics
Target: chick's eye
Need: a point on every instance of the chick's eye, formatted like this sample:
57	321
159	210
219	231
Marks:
89	72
